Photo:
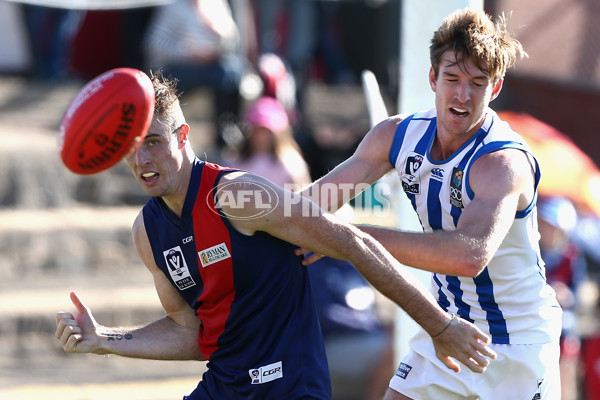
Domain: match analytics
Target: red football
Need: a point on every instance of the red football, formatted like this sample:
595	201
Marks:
108	118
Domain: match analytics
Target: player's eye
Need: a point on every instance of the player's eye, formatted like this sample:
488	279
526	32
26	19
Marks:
152	142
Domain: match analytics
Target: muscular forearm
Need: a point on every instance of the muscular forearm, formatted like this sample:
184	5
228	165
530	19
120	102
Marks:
160	340
439	252
395	282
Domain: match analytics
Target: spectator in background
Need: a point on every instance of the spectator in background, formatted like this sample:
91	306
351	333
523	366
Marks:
289	29
195	41
51	31
268	147
279	83
565	271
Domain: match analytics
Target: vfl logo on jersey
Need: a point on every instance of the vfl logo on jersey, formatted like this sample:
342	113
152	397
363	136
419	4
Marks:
178	268
456	188
403	370
213	254
410	179
266	374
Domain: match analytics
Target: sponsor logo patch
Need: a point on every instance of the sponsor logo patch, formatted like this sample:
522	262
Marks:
213	254
437	173
403	370
178	268
456	188
266	374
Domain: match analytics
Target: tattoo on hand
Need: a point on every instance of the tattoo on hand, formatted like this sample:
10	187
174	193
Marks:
118	336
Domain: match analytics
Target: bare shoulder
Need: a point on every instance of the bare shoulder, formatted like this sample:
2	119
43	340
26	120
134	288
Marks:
142	242
244	183
510	163
371	157
250	201
138	228
506	171
383	133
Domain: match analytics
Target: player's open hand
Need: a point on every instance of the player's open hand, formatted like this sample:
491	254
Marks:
76	334
463	342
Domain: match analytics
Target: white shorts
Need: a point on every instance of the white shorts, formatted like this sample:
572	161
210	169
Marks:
521	371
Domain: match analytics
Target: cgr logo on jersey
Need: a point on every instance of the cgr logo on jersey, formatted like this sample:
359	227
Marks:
178	268
213	254
266	374
410	179
456	188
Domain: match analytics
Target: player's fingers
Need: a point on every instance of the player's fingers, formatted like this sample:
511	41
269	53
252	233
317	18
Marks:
311	259
71	343
480	361
62	321
300	251
69	328
451	364
63	315
487	351
478	365
78	302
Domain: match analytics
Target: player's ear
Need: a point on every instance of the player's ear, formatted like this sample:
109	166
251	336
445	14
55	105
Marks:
183	133
497	88
432	79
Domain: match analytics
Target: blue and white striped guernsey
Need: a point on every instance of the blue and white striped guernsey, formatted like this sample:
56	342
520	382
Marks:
510	299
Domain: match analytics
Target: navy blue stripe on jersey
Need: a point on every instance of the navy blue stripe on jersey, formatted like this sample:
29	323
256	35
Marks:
398	140
434	207
463	309
395	149
495	318
478	138
526	211
426	140
442	298
456	212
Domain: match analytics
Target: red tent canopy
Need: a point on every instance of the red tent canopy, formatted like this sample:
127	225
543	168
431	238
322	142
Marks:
566	169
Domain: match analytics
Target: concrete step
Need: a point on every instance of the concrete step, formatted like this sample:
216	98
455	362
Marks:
62	242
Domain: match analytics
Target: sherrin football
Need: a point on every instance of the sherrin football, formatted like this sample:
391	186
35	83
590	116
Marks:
108	118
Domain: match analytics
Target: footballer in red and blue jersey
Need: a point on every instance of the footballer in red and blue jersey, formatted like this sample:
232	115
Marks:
260	331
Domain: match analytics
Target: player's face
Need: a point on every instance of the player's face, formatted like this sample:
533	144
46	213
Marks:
462	93
157	161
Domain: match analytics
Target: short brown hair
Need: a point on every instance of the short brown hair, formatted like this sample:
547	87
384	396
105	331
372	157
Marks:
166	99
472	34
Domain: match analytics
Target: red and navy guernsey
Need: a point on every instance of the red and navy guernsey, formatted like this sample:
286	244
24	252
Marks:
260	331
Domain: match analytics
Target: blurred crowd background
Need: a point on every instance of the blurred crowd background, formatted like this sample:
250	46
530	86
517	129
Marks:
272	86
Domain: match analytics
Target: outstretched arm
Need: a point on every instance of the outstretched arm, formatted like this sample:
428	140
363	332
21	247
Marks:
174	337
299	221
503	183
